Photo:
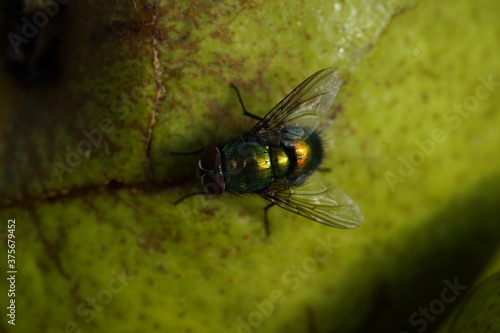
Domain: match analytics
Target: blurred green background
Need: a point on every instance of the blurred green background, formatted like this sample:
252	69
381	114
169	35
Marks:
88	177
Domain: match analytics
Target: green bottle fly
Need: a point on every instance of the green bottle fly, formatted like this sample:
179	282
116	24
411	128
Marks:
276	157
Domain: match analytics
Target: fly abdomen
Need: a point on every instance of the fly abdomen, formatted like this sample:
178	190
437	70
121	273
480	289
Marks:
305	154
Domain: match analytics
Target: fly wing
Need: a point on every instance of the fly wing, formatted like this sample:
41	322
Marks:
326	205
303	108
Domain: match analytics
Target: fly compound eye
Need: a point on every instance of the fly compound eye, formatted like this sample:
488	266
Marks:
214	182
210	159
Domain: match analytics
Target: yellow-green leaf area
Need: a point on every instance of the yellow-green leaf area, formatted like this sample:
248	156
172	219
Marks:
413	141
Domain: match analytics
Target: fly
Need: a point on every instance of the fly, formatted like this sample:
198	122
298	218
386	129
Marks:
277	156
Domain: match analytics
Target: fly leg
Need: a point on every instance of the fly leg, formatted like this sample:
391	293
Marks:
191	195
197	152
245	112
266	220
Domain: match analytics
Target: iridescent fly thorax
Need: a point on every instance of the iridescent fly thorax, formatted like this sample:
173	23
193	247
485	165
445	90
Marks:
247	166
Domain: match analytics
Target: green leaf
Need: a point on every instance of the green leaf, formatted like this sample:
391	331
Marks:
90	181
